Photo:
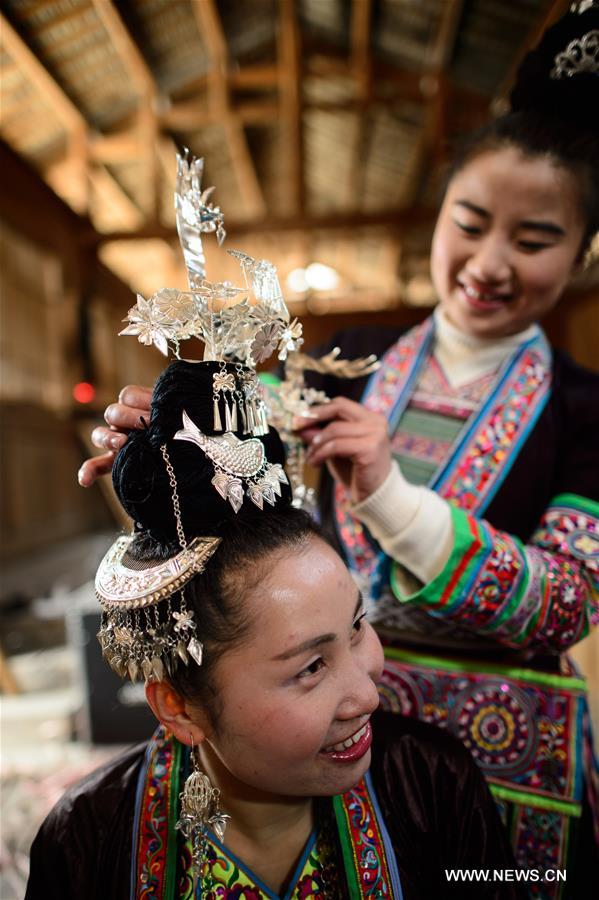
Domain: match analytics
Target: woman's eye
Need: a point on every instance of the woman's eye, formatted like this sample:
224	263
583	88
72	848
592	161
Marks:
467	229
358	625
532	246
312	669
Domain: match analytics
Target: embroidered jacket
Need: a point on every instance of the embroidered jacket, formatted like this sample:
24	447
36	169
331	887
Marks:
425	782
523	490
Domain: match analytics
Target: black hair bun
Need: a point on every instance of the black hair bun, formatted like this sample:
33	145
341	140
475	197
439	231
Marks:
139	473
542	84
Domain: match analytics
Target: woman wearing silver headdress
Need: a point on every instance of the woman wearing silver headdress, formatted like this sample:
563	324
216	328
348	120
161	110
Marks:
272	774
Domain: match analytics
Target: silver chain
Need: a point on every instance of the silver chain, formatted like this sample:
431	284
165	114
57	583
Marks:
176	507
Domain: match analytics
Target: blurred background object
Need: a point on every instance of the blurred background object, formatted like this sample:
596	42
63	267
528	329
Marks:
325	125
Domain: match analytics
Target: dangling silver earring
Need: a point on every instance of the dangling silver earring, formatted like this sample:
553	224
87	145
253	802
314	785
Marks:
200	809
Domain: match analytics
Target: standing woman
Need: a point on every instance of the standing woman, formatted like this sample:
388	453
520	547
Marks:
466	482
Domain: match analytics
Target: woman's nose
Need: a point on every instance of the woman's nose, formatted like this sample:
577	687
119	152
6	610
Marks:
362	696
490	264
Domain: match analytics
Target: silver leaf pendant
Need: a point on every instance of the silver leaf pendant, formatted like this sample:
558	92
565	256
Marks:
268	492
235	493
255	494
195	650
221	483
219	823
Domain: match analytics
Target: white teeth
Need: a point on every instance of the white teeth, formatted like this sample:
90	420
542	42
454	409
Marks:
344	745
480	295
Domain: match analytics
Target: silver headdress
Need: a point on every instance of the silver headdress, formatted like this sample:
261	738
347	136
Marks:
146	624
147	627
244	324
579	57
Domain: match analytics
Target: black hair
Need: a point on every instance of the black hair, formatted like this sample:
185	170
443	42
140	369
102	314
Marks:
249	538
139	473
551	116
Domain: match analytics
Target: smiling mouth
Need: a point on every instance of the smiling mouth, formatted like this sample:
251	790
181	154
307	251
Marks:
484	297
351	741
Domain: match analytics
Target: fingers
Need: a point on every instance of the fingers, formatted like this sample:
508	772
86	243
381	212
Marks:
122	417
358	449
338	408
94	468
136	396
325	443
107	439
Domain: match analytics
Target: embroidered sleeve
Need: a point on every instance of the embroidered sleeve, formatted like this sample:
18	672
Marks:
542	595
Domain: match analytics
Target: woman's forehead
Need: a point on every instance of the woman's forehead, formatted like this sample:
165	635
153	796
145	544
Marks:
509	178
303	590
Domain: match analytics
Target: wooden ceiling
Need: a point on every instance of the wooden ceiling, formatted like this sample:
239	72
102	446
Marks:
324	124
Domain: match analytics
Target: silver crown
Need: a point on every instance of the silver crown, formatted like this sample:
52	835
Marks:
580	56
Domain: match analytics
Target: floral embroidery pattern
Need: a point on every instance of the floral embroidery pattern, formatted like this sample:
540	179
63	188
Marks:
521	733
471	479
150	844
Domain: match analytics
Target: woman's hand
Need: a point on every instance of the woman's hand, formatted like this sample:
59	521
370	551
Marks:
354	444
121	417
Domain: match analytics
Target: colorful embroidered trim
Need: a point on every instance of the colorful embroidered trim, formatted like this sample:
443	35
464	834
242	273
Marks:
484	451
487	450
317	873
522	595
154	852
369	860
523	728
159	858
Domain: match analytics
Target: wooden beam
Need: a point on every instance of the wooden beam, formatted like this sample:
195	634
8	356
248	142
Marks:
116	148
210	25
290	88
72	120
250	77
110	195
396	220
361	58
429	149
191	115
125	47
75	124
143	81
361	71
35	72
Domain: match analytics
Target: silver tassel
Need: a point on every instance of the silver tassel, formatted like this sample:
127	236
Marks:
233	416
218	425
228	423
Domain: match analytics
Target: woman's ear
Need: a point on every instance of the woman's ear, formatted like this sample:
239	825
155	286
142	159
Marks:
174	713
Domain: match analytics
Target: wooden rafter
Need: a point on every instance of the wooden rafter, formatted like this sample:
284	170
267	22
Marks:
290	81
72	120
361	72
400	219
191	115
429	147
81	174
210	25
145	86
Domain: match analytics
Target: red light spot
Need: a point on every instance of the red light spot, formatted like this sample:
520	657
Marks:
84	392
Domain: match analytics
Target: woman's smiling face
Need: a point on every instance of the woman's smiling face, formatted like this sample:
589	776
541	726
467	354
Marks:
301	682
506	242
